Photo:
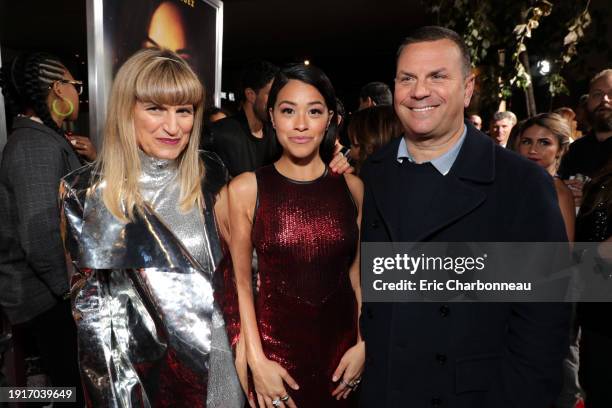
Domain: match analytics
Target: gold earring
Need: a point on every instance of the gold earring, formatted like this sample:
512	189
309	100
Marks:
57	111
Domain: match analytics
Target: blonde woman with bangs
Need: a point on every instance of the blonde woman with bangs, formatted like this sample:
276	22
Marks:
141	228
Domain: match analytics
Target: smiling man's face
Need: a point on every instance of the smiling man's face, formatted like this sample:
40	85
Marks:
431	89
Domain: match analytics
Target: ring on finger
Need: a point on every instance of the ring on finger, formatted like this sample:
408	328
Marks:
276	402
285	398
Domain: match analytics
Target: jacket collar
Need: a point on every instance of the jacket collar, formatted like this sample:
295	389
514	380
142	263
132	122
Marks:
475	161
147	242
22	122
454	197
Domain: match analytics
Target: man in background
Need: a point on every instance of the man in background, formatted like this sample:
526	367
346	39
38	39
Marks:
476	121
501	126
246	141
374	94
588	155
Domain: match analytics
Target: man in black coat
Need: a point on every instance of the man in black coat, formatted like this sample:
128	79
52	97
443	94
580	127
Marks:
246	141
446	181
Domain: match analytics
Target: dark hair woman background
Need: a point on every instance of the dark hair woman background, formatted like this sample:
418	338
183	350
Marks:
370	129
42	94
300	331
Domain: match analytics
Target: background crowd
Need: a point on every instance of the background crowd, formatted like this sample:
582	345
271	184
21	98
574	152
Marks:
572	144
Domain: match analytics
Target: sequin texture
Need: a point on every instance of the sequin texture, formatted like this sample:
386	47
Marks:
305	235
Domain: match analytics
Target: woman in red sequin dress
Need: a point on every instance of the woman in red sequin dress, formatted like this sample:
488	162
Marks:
300	329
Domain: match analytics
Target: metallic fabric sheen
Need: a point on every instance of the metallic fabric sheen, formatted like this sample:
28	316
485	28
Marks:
150	332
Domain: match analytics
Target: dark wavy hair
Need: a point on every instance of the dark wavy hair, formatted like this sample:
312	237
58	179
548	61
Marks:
256	75
372	128
26	82
310	75
379	92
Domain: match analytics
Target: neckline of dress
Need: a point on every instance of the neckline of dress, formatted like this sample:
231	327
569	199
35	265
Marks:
289	179
150	164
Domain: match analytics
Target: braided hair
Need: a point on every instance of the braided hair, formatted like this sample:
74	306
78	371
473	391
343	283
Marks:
26	83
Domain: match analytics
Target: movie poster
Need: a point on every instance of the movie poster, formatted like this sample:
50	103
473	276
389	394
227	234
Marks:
3	129
117	29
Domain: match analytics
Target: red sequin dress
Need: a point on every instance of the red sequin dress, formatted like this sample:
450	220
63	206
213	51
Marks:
306	236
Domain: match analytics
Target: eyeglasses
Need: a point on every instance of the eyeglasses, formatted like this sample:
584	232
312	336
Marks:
78	85
598	95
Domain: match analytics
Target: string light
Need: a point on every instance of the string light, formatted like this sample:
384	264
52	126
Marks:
543	67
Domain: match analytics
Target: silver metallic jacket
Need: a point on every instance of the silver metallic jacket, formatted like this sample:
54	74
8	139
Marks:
150	331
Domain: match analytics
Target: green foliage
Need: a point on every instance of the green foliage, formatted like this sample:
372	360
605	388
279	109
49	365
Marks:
556	84
576	32
543	8
471	20
489	27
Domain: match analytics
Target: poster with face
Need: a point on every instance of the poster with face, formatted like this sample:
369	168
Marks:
117	29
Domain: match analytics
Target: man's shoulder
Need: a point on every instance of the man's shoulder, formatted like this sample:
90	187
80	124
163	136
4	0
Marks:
227	137
518	178
517	168
386	151
382	155
584	142
504	155
229	127
487	161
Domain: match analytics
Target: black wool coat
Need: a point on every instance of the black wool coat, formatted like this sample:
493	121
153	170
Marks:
465	355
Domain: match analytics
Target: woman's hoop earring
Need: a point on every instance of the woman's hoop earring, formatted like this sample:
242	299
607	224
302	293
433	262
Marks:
62	114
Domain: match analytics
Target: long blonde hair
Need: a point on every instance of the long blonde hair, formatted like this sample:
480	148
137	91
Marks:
163	78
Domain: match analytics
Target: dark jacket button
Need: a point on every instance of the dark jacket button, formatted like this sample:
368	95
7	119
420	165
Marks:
441	358
444	311
436	402
375	224
369	314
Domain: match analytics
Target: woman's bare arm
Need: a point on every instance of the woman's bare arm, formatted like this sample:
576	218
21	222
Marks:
268	376
567	206
222	214
349	370
242	197
356	187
